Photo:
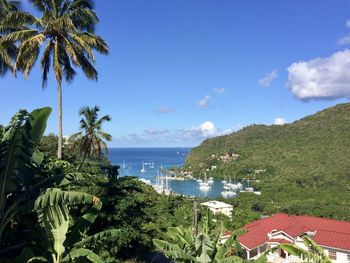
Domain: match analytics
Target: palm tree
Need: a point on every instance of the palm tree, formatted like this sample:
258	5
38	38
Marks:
90	140
64	32
8	50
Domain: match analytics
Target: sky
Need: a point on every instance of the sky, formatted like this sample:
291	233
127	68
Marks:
181	71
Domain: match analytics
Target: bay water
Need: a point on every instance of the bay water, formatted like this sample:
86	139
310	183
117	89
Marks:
131	161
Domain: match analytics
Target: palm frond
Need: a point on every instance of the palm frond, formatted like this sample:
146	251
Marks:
82	44
46	62
20	35
95	42
19	19
88	69
56	62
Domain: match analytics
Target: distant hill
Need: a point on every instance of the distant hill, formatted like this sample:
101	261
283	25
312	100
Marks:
309	158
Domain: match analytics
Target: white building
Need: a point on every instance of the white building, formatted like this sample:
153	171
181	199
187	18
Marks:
219	207
332	235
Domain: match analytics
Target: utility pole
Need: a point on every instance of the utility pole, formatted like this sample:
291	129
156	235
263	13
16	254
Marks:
195	219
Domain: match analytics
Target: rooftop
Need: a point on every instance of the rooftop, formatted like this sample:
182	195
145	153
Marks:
217	204
329	232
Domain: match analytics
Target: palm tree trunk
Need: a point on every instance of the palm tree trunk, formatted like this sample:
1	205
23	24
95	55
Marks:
83	160
60	132
84	157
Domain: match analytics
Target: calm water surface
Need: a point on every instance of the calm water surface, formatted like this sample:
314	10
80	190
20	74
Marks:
130	161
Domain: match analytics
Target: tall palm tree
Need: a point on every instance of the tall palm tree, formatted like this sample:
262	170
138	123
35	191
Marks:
8	50
90	138
64	32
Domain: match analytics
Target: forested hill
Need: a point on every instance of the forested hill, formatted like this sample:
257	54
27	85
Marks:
310	154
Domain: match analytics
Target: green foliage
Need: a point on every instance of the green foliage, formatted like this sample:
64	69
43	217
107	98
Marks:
8	50
90	140
304	166
183	246
314	254
63	37
16	163
68	239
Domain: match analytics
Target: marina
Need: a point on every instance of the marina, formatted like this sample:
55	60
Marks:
151	164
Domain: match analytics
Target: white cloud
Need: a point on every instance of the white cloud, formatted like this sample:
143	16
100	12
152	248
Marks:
347	23
268	78
156	132
203	102
186	136
164	110
344	40
219	90
280	121
208	128
321	78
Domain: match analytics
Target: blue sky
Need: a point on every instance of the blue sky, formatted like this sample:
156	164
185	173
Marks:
181	71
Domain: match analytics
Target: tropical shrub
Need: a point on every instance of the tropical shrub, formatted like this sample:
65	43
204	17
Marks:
68	239
314	254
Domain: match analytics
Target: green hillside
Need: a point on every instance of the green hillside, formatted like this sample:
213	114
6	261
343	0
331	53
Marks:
305	163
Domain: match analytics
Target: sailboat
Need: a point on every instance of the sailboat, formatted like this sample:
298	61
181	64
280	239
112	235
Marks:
124	166
143	167
227	194
204	186
224	181
249	189
234	186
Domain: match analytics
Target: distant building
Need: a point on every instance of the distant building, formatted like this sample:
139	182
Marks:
219	207
332	235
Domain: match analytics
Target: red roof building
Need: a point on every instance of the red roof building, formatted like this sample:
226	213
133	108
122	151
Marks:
332	235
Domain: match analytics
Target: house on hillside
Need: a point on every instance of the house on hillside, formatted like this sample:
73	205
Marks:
332	235
219	207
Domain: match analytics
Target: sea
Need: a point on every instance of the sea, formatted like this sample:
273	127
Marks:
131	161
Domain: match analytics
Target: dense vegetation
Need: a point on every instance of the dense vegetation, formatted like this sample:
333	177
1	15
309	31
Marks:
304	166
51	212
74	208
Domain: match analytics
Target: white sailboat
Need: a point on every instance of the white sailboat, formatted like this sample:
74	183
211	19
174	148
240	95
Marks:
234	186
227	194
204	186
162	185
211	180
248	188
124	165
143	167
224	181
226	187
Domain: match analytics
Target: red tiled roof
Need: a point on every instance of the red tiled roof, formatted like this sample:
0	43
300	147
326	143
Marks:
329	232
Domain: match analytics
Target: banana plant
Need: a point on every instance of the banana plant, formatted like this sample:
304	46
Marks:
69	241
17	148
19	161
314	254
184	247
